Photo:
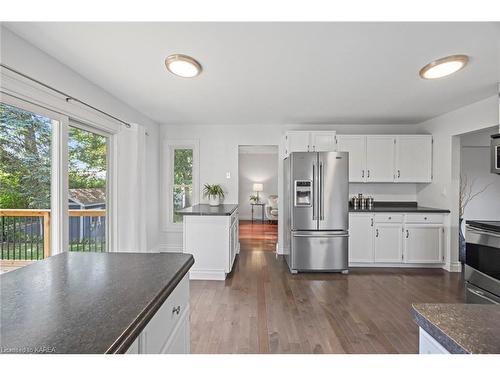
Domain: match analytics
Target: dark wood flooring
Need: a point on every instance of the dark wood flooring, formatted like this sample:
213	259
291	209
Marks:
262	308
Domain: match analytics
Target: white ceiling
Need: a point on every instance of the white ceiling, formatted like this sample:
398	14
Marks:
265	73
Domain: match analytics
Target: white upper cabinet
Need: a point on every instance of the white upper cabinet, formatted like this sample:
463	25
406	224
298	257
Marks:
380	158
302	141
323	141
297	142
355	145
413	158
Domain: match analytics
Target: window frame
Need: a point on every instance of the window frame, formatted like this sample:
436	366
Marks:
168	179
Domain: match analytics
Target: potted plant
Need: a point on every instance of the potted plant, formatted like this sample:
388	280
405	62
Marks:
214	193
254	198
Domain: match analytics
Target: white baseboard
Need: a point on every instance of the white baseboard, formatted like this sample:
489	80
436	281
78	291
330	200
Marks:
207	275
453	267
170	248
396	265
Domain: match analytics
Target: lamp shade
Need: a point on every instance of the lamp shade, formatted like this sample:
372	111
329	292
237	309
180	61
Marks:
258	187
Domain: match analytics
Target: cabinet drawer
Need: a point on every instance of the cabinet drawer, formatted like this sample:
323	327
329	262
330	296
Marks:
388	218
161	325
425	218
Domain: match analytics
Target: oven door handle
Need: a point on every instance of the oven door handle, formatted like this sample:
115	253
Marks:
481	231
480	294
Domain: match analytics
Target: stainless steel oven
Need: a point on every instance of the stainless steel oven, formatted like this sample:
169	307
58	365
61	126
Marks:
482	262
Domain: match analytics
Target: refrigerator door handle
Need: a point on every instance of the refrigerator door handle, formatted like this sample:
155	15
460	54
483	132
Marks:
321	192
314	192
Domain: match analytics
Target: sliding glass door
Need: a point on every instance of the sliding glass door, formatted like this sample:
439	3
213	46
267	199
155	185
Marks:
87	189
54	184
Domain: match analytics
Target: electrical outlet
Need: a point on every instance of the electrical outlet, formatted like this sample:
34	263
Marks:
228	175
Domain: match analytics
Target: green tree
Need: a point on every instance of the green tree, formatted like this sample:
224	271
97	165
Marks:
25	159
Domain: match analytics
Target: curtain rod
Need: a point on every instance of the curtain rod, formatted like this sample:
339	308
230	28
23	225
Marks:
68	98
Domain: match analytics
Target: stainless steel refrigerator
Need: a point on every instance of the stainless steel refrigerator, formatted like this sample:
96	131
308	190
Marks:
316	209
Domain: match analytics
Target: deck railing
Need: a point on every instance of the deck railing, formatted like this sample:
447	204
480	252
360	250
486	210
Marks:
25	233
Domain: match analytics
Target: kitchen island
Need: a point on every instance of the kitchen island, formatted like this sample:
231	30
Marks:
210	233
458	328
97	303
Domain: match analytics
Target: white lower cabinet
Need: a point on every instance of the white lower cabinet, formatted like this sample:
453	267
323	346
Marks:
361	244
168	330
388	243
428	345
395	239
423	243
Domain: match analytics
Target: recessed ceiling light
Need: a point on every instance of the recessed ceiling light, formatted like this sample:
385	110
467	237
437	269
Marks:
183	65
444	67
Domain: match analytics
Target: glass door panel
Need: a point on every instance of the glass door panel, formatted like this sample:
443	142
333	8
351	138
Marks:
25	186
87	190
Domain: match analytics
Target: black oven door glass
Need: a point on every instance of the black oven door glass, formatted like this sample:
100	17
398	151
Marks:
483	258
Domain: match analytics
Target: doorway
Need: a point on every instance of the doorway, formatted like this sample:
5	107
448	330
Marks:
258	197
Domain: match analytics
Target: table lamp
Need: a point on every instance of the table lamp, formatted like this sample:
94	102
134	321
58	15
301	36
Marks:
257	188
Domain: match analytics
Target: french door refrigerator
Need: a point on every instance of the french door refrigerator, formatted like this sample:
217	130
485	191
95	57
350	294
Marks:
316	209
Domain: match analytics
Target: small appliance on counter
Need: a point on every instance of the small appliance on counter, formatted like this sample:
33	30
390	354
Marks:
361	202
482	262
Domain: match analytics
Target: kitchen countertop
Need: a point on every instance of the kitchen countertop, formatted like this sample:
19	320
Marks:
207	210
411	207
85	302
461	328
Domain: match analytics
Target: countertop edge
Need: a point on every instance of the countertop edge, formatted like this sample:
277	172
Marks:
443	338
401	210
123	342
200	213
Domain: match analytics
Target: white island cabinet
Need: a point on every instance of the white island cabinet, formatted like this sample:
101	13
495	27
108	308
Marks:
211	235
168	330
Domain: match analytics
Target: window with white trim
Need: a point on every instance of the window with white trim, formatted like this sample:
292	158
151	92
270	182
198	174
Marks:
182	179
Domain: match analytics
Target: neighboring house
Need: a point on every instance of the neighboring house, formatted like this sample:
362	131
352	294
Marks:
85	227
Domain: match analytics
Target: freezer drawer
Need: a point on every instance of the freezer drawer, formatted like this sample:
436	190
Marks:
319	251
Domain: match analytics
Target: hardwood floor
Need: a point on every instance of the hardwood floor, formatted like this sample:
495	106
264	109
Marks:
258	236
262	308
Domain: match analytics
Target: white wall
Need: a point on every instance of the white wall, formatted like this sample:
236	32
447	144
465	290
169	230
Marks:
219	154
256	167
23	56
443	191
475	164
385	192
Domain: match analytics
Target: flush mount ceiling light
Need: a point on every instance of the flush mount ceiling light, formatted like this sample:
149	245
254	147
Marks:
444	67
183	66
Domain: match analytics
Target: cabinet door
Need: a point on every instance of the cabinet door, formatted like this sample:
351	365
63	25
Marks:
178	343
360	238
297	142
355	145
423	243
323	141
380	158
388	243
413	158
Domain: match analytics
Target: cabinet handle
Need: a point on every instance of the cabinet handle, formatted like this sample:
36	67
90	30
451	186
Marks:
368	173
176	310
407	234
376	232
363	173
314	148
399	173
307	147
372	221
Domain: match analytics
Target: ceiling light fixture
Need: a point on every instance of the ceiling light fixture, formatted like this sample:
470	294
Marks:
183	66
444	67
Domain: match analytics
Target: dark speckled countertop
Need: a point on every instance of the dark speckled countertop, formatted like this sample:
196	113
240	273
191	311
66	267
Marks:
85	302
403	207
207	210
461	328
